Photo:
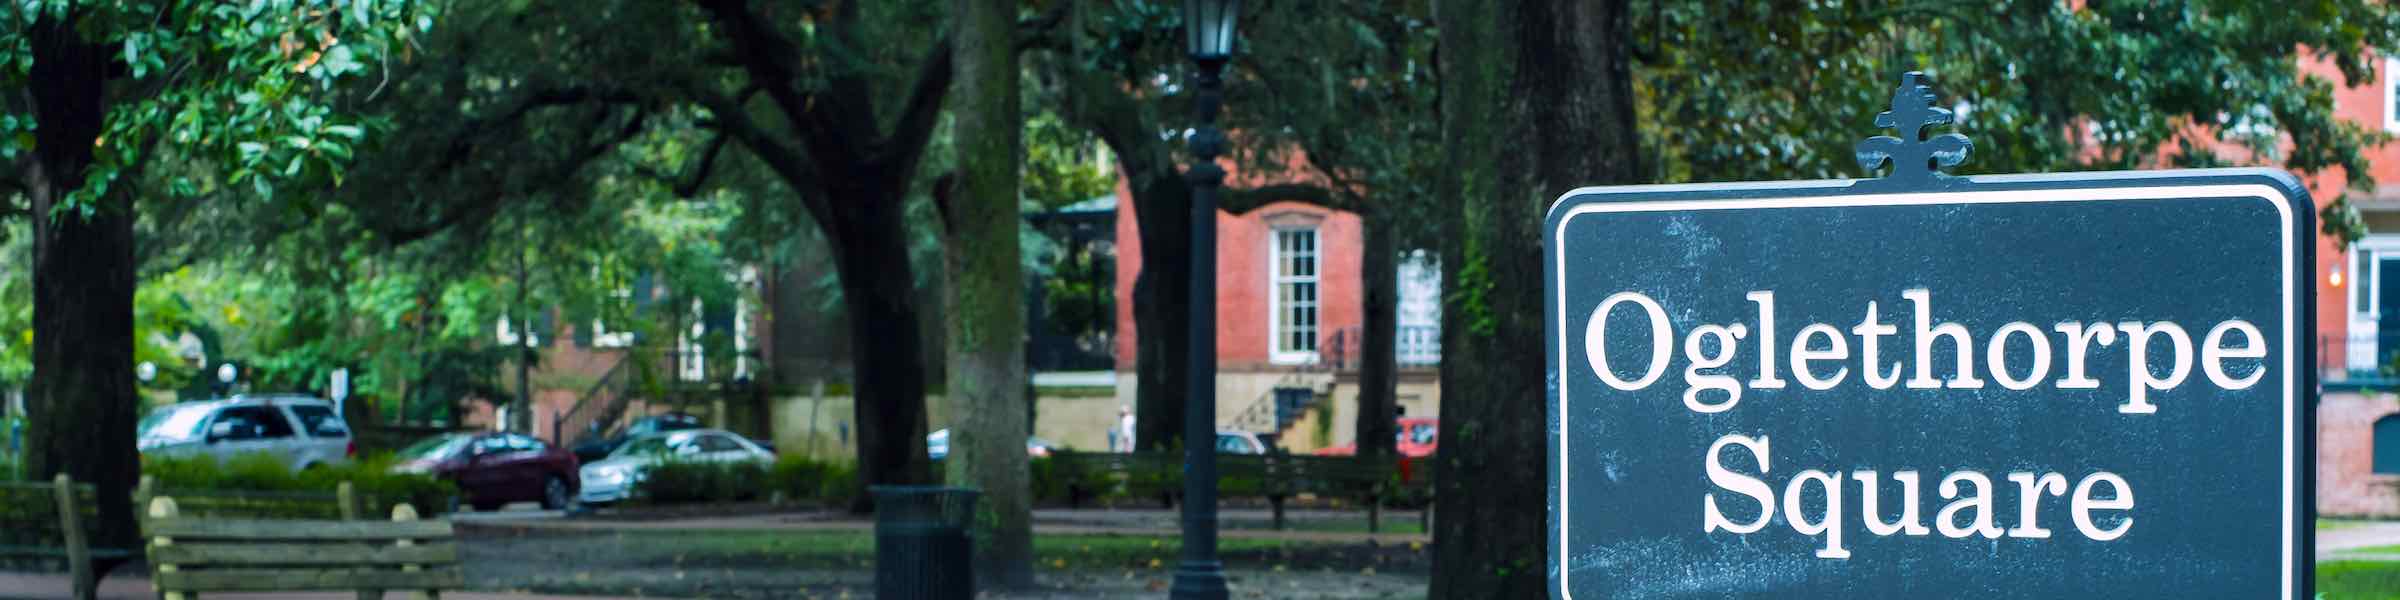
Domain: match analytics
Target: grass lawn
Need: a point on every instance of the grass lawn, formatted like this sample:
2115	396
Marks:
2333	524
2351	580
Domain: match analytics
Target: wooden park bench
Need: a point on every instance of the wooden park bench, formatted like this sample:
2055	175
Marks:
1372	483
1275	477
53	521
192	555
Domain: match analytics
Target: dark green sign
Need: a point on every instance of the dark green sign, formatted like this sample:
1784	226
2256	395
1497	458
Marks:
2086	385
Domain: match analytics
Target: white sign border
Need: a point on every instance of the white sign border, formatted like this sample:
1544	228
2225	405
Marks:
2164	193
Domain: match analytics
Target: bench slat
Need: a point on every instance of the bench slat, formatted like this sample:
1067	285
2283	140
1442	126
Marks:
263	529
203	554
272	580
60	552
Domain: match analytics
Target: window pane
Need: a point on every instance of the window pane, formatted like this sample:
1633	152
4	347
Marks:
2386	458
320	422
263	423
2362	279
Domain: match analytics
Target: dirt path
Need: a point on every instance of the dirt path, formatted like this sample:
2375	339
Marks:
835	562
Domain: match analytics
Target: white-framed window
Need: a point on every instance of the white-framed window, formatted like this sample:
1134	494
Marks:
2362	287
601	336
2390	80
748	282
693	362
1420	312
507	334
1293	264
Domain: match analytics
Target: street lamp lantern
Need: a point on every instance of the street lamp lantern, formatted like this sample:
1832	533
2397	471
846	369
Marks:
1208	27
225	373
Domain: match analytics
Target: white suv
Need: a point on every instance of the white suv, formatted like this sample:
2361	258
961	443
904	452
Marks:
300	431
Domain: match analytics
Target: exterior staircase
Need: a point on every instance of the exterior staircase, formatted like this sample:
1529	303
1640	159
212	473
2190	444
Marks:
597	412
1274	411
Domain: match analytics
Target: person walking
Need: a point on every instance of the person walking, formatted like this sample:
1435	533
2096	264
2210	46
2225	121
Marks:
1121	440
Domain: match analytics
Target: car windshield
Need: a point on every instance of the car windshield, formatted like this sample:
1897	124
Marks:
649	446
435	448
173	424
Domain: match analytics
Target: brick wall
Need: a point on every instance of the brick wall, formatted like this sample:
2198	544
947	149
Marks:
2346	482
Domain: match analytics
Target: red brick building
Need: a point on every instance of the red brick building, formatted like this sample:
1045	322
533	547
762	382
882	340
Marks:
2358	319
1289	315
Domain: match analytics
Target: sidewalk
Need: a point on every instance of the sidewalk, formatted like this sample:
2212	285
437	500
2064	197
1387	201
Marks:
2345	539
134	585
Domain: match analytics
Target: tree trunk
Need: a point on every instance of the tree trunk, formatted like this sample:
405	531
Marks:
1378	369
1536	100
1097	101
520	411
81	404
887	359
986	296
1162	324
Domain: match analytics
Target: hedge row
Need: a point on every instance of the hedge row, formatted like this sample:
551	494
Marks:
371	478
798	478
792	477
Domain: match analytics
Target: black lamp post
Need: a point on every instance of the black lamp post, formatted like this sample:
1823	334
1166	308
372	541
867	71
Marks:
1208	26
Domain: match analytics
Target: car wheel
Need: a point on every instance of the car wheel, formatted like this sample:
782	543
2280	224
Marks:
554	493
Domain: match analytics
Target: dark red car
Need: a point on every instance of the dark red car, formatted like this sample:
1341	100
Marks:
494	469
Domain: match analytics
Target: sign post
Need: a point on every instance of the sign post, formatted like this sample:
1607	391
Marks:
2082	385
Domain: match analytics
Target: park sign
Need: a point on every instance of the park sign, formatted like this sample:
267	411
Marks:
2080	385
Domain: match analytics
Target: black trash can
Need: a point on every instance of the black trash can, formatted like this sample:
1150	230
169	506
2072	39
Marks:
923	550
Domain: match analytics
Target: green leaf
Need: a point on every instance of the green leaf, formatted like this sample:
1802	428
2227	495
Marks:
339	61
348	131
133	55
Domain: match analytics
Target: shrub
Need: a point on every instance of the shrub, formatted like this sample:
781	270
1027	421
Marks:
800	477
371	478
795	477
1049	480
679	481
839	486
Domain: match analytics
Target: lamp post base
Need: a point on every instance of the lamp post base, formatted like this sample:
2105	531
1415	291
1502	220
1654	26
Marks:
1199	581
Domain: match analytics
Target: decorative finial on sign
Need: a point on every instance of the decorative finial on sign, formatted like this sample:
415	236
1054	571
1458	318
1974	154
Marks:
1913	156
